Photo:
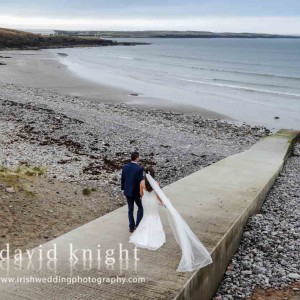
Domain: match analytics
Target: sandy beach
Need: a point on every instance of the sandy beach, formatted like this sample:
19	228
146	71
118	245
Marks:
42	69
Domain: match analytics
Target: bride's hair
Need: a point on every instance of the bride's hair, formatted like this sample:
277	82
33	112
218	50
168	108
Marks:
149	170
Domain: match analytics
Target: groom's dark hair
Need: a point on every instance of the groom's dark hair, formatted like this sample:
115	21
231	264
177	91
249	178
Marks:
134	155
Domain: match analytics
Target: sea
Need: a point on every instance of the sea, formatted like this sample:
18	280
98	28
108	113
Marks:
256	81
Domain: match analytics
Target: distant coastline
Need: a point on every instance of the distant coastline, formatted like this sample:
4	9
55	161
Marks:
21	40
167	34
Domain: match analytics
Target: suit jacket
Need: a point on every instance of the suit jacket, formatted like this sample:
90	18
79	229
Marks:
132	175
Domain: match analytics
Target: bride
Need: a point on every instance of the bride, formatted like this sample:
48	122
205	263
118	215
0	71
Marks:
150	233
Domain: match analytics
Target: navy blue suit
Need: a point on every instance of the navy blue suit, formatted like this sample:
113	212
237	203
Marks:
132	175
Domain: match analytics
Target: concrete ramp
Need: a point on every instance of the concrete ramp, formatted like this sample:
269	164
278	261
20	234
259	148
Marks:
216	202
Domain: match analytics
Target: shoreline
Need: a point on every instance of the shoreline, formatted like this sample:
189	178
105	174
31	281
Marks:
42	69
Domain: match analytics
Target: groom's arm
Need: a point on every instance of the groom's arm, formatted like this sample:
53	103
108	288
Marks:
122	181
140	176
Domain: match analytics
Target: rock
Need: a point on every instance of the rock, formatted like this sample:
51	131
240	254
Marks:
294	276
10	190
280	248
247	272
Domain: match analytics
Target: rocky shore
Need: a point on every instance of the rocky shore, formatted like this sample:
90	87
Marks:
85	141
267	263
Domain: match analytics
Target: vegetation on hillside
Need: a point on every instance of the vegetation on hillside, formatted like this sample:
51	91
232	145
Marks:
15	39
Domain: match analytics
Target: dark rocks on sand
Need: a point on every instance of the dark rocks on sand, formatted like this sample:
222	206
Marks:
62	54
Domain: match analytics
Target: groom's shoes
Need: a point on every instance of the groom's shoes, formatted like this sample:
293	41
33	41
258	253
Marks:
132	230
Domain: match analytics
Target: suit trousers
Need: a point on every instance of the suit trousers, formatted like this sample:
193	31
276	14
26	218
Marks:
138	202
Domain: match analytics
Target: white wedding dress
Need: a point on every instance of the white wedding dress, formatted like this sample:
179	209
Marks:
150	233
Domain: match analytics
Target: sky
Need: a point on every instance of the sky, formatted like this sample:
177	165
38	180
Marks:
261	16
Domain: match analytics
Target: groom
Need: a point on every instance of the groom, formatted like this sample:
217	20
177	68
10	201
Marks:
132	175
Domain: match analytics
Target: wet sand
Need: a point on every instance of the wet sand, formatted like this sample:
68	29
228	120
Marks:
41	69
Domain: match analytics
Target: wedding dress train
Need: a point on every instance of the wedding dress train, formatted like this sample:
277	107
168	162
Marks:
150	234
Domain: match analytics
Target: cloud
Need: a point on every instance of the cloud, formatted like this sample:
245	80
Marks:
260	24
138	8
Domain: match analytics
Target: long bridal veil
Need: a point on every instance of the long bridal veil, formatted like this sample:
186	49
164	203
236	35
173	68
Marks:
194	254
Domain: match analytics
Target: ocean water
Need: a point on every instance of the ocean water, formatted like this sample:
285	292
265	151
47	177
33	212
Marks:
251	80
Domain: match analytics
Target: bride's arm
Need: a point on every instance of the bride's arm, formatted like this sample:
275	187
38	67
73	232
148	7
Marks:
142	185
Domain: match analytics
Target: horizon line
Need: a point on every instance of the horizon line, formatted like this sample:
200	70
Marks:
154	30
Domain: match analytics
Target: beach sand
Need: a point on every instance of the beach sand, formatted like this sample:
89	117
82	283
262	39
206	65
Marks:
42	69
